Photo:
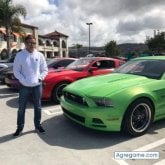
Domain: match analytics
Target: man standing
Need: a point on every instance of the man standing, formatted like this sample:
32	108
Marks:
30	69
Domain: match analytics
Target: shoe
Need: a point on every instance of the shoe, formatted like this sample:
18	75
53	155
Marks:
40	130
18	132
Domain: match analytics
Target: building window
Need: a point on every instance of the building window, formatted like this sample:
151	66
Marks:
40	42
63	44
48	43
55	43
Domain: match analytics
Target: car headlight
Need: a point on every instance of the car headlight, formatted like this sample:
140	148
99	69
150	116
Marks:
104	102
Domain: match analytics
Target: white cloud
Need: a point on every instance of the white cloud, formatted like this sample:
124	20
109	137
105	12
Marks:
119	20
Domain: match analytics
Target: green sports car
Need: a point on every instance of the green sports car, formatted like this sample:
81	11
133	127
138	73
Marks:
129	99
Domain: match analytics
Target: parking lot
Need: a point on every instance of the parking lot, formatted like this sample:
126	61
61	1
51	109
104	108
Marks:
68	143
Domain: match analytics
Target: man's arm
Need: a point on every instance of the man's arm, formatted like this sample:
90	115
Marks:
17	70
43	68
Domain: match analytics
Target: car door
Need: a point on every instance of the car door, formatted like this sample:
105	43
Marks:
102	67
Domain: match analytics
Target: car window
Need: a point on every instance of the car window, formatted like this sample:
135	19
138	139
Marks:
149	68
66	62
11	59
80	64
104	64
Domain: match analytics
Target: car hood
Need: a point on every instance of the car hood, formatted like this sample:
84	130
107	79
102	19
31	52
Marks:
59	72
7	63
107	84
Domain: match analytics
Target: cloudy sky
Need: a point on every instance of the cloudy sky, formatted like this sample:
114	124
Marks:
125	21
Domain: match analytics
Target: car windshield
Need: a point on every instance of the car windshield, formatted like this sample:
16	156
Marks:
79	64
9	60
150	68
51	61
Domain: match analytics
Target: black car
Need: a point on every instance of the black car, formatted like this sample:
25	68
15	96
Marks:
9	61
2	66
8	66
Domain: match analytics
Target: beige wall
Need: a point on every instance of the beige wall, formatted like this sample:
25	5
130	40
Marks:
48	51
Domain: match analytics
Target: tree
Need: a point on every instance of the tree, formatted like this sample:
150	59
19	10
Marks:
78	46
9	18
111	49
157	43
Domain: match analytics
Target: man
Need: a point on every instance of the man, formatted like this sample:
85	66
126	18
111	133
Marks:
30	69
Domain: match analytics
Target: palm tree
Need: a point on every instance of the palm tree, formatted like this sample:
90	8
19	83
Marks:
9	18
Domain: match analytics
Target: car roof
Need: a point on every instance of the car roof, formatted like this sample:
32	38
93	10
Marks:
61	58
99	58
150	58
51	60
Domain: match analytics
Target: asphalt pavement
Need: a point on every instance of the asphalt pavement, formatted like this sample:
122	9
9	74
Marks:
67	143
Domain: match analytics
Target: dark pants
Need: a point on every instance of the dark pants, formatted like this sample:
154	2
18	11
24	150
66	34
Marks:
24	94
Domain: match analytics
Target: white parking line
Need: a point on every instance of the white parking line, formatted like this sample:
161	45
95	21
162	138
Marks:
120	162
56	110
146	148
151	145
54	113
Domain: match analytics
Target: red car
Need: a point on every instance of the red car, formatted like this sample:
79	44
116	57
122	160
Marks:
55	81
54	63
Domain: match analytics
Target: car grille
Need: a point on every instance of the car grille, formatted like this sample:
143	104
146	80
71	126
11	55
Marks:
74	116
75	98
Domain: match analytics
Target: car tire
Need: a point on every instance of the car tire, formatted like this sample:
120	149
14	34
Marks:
138	117
57	91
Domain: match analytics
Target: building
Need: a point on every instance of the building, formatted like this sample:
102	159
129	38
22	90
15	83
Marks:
51	45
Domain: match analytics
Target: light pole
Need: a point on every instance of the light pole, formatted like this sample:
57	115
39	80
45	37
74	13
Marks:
90	23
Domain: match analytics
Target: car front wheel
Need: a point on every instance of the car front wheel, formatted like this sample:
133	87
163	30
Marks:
57	91
138	117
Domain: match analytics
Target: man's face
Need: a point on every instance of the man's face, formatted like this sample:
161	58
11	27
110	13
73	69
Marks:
30	45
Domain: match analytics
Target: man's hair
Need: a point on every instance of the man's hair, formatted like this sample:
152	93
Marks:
28	37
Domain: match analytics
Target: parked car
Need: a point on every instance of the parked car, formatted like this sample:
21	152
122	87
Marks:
81	68
129	99
56	80
5	66
56	63
2	66
3	72
59	63
9	61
